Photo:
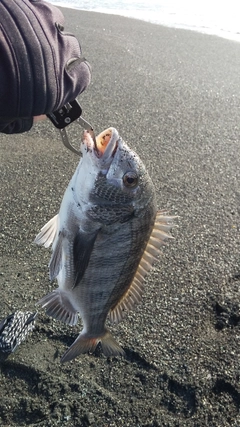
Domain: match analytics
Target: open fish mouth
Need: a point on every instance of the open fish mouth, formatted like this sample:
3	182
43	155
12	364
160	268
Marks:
102	141
105	145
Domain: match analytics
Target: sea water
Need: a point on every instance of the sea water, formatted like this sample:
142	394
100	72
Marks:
218	17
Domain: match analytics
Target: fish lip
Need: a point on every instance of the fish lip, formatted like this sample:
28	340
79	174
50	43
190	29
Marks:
111	146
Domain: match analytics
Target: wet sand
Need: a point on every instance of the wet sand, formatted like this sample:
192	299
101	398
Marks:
174	97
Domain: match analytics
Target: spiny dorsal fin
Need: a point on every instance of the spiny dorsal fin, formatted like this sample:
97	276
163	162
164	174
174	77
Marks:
133	295
47	233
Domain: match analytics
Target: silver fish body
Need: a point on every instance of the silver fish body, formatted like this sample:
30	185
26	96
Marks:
104	240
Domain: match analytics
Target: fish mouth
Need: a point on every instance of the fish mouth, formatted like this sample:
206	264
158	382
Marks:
106	143
102	148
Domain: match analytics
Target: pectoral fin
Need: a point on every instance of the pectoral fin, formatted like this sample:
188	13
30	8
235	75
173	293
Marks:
55	264
82	249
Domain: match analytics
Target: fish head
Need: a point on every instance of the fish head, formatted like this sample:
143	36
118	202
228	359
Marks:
120	177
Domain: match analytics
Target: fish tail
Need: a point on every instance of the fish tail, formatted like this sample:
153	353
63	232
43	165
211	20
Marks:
110	347
58	306
86	344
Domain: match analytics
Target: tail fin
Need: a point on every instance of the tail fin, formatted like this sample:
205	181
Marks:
59	307
85	344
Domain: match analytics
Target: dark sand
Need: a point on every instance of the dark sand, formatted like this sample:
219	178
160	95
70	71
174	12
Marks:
174	97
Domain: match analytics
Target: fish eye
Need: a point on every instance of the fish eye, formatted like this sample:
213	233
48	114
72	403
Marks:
130	179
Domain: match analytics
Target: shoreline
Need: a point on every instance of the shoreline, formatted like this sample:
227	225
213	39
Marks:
173	95
226	35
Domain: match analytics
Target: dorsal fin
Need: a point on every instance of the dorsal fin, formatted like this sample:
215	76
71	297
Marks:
133	295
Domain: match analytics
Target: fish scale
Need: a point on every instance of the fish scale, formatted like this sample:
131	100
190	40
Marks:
105	239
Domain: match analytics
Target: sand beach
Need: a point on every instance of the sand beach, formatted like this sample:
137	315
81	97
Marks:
174	97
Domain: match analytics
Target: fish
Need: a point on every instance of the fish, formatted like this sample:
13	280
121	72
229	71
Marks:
105	239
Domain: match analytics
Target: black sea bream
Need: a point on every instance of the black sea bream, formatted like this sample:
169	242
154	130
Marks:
104	241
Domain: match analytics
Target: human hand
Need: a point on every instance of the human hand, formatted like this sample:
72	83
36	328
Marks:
52	73
40	118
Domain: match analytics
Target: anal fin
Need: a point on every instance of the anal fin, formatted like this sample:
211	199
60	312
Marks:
58	306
